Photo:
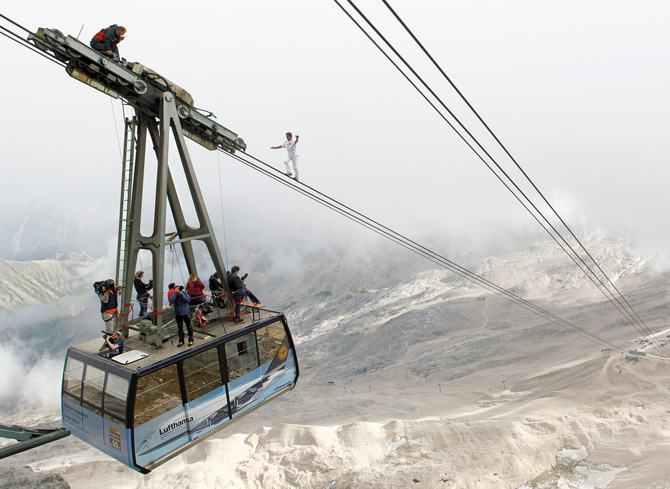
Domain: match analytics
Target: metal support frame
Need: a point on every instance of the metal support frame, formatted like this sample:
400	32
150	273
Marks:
159	132
129	146
28	438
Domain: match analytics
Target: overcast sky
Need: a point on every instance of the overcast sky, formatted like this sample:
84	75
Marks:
576	90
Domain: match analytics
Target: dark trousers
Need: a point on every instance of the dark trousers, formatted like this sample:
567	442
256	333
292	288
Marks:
180	324
143	300
100	47
238	296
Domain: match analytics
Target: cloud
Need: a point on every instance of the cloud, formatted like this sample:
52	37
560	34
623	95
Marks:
366	137
28	384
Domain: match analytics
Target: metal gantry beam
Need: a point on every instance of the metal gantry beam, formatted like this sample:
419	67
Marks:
160	132
165	112
28	438
139	85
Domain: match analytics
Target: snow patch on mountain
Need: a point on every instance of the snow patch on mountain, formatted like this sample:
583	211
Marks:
544	271
34	282
539	272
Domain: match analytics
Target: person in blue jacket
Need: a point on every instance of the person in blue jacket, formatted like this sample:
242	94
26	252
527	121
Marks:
181	300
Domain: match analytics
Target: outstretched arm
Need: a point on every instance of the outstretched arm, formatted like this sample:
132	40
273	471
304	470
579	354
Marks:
296	138
276	147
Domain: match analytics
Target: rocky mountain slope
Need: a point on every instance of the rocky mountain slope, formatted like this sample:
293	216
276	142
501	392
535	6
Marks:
411	377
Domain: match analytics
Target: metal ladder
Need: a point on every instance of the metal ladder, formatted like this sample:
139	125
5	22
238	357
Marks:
129	147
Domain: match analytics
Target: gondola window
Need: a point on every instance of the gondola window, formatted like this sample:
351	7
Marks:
116	392
157	393
270	339
202	374
241	355
74	372
94	379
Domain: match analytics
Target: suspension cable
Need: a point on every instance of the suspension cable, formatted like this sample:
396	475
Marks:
636	317
605	291
586	268
407	243
23	43
505	184
17	25
223	215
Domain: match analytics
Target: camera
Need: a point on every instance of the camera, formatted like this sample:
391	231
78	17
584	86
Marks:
245	276
181	287
107	284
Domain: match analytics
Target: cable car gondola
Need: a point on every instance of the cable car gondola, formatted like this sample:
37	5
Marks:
146	405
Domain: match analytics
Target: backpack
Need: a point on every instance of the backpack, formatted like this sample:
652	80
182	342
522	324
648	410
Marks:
200	319
101	35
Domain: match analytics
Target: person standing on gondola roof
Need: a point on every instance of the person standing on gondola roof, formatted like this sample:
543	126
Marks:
106	41
214	283
142	290
109	305
181	300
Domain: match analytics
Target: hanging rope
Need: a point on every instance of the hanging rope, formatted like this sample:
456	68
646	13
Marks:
407	243
116	127
172	250
181	273
223	216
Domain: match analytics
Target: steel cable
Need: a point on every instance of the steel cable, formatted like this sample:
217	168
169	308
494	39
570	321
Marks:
630	309
411	245
574	256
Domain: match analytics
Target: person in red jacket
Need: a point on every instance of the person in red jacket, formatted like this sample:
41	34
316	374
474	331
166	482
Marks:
106	41
171	290
195	289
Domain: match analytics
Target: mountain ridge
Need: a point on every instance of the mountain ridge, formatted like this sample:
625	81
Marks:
411	375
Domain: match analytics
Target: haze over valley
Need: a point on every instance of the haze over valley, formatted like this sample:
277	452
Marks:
410	375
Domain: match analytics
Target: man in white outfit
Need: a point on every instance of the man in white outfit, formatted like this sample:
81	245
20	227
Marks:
291	147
